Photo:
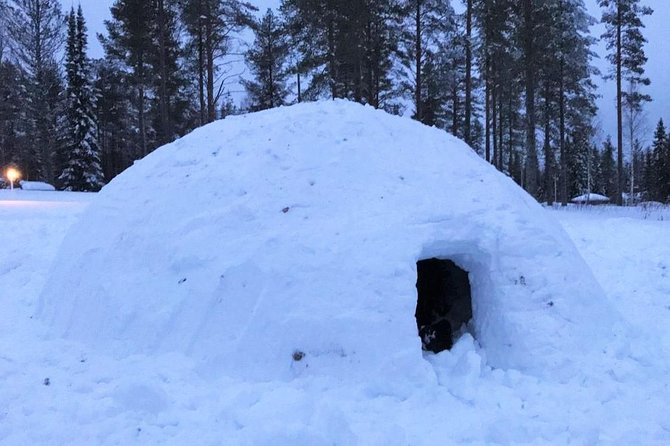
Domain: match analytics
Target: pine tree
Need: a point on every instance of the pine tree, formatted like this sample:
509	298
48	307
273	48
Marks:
528	37
267	60
171	109
433	98
35	30
623	35
499	63
469	13
429	25
114	117
449	88
143	41
82	171
345	48
129	43
12	114
564	78
211	26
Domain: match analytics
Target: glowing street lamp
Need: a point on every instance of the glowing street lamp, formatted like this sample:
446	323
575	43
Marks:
12	175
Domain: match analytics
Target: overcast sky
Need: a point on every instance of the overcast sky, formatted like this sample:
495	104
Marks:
658	52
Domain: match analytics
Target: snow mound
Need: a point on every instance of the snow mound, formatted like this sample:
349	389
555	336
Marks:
284	243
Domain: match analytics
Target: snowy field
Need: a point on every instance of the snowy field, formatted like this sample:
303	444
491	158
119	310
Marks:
54	392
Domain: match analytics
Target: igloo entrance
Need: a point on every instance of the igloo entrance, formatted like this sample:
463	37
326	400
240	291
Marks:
444	302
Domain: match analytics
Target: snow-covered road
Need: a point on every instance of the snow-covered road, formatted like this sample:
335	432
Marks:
54	392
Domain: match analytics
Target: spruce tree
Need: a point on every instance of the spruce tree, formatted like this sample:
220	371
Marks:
267	60
623	35
579	163
660	170
82	170
608	170
649	180
595	164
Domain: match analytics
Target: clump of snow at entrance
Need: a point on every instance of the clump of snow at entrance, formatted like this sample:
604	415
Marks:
285	243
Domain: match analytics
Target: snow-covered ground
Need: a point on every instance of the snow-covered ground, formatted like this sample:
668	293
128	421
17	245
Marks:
54	392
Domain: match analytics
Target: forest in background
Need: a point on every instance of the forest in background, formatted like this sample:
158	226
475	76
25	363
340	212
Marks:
514	79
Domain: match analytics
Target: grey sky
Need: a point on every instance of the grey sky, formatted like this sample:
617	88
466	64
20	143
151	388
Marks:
657	32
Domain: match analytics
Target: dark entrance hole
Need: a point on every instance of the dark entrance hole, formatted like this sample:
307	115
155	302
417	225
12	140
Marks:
444	303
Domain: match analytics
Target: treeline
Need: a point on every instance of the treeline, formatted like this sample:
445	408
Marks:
512	78
77	122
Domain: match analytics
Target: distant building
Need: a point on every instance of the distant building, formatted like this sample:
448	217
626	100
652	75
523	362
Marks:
593	199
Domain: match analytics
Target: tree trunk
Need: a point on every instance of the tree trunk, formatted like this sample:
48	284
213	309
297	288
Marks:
331	59
501	136
142	123
454	115
619	112
418	56
548	158
468	73
494	120
561	136
271	82
209	69
299	89
201	67
510	155
163	100
487	106
531	166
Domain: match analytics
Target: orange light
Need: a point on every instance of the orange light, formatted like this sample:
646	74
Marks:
13	174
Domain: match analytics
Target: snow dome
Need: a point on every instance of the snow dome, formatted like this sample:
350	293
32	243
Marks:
293	239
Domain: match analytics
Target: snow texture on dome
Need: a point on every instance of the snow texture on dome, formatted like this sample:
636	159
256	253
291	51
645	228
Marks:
298	230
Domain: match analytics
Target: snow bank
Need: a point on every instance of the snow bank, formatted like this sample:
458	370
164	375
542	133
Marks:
298	230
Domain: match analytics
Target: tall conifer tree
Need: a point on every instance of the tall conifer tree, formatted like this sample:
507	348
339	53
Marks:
623	35
82	170
660	164
35	35
267	59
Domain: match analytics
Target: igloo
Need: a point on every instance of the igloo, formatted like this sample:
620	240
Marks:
292	237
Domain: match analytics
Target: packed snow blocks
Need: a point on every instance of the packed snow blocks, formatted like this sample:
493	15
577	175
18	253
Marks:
353	240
